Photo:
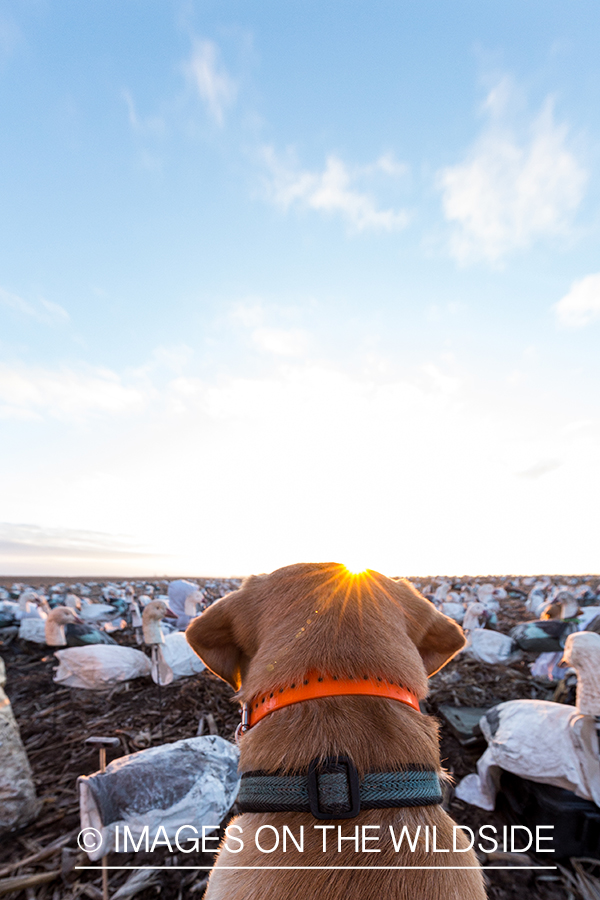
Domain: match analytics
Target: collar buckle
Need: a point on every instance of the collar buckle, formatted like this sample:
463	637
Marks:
333	765
244	725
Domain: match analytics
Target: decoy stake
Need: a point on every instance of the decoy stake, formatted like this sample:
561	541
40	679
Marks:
102	743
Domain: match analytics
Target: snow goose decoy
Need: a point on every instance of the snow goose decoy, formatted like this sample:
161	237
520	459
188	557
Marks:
482	644
172	656
542	741
63	628
181	596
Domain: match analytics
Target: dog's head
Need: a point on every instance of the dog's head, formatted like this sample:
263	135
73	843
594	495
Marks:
319	616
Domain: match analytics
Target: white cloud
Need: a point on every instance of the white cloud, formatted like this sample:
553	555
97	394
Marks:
512	188
43	311
541	468
439	380
252	316
35	393
333	190
306	461
280	341
63	545
582	303
213	83
248	314
143	125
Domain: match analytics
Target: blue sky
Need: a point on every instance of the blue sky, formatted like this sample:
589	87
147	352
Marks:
299	281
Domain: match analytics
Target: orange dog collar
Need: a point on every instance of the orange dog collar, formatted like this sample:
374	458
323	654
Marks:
314	685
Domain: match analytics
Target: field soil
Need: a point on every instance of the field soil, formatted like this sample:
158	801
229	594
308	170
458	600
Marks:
55	722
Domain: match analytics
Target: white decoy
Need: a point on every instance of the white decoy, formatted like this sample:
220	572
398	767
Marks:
542	741
177	654
484	591
32	606
582	653
536	599
192	602
10	614
441	592
54	628
172	656
73	601
97	612
178	593
484	645
455	610
475	617
152	616
585	593
63	628
136	620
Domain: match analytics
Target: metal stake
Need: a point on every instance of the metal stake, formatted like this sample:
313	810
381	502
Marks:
160	710
54	689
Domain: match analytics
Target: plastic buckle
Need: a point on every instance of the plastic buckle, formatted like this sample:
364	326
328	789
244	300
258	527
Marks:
332	764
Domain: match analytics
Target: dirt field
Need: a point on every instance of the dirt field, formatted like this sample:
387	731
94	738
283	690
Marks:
55	722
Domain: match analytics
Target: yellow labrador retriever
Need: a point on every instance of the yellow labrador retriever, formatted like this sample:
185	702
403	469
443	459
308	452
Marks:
340	770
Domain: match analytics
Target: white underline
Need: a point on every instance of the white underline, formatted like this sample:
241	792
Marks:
283	868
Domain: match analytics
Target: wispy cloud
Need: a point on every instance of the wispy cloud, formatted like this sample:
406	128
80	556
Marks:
280	341
42	311
210	78
541	468
63	544
10	37
252	317
581	305
514	186
334	190
65	394
154	125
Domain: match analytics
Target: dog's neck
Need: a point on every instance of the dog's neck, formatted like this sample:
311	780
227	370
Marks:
315	685
377	734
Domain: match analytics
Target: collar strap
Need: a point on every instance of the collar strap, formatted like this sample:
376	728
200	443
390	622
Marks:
332	790
315	685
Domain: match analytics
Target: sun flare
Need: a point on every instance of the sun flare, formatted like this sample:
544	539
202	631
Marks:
356	567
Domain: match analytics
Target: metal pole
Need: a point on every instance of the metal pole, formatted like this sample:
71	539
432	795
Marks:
160	710
54	689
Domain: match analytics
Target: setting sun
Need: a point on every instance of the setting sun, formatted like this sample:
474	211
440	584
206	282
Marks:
356	568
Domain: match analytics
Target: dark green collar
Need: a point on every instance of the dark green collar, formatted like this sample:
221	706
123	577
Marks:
331	789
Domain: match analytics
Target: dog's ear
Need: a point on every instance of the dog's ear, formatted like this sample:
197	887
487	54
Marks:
437	637
442	640
213	637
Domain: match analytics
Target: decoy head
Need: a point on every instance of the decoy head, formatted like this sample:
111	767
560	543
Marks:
476	616
157	610
552	611
153	613
63	615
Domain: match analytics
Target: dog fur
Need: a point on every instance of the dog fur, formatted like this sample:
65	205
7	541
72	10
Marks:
319	616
